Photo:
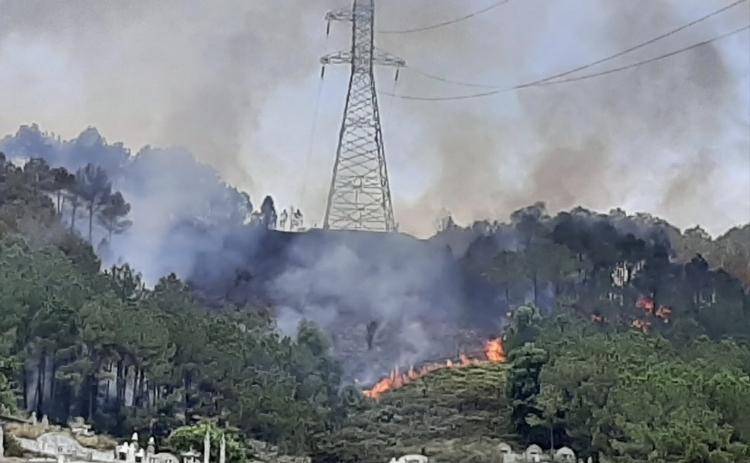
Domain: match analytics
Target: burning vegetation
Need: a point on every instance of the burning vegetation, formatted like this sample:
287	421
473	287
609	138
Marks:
649	306
494	352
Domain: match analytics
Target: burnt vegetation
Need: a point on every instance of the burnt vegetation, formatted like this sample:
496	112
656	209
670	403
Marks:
627	338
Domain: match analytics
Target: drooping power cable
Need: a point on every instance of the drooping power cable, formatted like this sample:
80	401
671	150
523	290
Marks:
589	65
447	23
313	130
549	80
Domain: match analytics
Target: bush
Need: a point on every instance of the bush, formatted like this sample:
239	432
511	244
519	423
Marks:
11	446
187	437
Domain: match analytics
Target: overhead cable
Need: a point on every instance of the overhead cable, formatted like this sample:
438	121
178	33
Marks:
447	23
589	65
548	80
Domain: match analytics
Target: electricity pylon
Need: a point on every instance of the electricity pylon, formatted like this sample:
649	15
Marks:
360	195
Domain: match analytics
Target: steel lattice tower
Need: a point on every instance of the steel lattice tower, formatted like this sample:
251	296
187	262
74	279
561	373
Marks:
360	196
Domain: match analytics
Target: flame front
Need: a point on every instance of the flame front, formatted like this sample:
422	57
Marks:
494	352
647	304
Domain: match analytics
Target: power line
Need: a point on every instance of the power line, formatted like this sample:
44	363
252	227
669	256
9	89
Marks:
649	42
589	65
448	81
447	23
549	81
314	128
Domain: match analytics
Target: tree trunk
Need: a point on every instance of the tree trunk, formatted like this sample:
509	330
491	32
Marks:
91	222
25	390
120	382
92	387
552	440
141	387
41	369
53	388
73	217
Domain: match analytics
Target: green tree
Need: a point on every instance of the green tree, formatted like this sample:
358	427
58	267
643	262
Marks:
186	438
523	387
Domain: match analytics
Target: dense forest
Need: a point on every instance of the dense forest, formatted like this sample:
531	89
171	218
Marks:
77	341
626	338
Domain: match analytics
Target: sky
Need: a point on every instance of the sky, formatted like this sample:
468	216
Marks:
238	83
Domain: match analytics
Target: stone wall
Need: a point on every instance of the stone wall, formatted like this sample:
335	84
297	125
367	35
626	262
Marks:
53	444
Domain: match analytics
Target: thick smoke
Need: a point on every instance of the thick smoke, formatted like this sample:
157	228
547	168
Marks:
167	190
409	290
172	72
665	137
235	83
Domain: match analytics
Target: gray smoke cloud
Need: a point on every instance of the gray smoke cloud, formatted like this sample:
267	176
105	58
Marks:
345	281
672	137
236	84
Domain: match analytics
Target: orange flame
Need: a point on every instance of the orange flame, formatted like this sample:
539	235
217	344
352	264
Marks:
641	325
648	305
494	352
598	319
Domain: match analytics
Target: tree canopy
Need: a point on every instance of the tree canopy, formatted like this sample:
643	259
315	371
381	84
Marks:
626	340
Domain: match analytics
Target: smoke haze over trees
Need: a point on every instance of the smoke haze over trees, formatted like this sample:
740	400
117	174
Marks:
81	342
184	219
670	138
164	189
150	288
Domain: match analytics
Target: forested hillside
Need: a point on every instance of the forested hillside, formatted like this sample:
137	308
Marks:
613	395
77	341
626	339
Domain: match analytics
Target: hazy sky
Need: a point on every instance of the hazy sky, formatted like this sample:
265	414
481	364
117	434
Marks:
237	82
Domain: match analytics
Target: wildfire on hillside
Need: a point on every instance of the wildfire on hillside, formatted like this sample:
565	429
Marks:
494	352
648	306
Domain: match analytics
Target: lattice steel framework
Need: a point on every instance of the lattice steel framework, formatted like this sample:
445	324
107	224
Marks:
360	196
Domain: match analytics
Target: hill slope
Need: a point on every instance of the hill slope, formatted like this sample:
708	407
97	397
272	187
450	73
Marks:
452	414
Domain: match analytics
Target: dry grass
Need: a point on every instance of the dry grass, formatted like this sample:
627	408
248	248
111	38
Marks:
98	442
452	415
27	431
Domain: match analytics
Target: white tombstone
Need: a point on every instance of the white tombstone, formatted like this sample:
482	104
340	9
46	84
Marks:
411	459
533	454
130	452
60	458
223	450
206	448
565	455
2	436
506	453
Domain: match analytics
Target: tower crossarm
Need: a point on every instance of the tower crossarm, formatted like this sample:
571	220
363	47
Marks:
340	57
344	14
380	58
383	58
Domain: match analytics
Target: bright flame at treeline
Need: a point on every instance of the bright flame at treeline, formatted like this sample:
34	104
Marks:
494	352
